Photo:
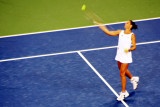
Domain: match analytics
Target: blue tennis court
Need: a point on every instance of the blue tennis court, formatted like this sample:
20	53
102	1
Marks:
48	69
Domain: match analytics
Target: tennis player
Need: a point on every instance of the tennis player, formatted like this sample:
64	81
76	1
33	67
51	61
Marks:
124	55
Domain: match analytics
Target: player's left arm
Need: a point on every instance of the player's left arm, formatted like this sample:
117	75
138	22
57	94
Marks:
133	43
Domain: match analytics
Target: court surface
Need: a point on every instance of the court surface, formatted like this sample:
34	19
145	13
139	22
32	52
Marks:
58	68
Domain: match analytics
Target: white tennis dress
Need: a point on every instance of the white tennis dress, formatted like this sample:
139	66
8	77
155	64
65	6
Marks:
124	42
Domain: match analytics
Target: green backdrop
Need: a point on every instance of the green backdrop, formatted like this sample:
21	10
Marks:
28	16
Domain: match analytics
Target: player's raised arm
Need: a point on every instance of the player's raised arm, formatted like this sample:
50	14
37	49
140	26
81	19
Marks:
108	32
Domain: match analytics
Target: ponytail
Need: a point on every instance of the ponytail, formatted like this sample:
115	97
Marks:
134	26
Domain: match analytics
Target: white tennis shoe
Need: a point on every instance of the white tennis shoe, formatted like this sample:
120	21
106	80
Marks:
123	95
135	81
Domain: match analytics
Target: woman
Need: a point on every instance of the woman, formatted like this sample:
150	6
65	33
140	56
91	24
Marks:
124	55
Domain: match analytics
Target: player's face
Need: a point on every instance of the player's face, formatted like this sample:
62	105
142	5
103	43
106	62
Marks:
128	25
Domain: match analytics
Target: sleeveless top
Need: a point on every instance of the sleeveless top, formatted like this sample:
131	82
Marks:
124	42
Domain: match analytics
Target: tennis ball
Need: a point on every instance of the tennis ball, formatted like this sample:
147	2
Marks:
83	7
126	50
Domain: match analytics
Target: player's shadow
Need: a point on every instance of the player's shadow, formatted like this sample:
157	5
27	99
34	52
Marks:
115	103
131	94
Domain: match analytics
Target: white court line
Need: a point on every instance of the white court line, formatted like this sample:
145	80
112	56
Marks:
69	52
100	76
75	28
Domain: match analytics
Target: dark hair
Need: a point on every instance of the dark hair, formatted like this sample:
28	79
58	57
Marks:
134	26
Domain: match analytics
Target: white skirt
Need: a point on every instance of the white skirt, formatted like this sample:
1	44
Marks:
123	57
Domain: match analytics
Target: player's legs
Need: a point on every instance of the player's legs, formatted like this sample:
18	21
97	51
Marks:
123	69
128	73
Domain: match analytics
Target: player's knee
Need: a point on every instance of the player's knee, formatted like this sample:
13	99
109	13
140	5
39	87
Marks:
122	73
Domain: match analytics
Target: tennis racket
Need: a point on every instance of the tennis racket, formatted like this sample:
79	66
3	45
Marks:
93	16
90	15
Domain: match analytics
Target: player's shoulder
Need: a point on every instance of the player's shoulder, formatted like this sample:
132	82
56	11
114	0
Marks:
133	36
119	31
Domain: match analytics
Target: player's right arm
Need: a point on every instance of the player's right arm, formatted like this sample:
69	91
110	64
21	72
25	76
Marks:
104	28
